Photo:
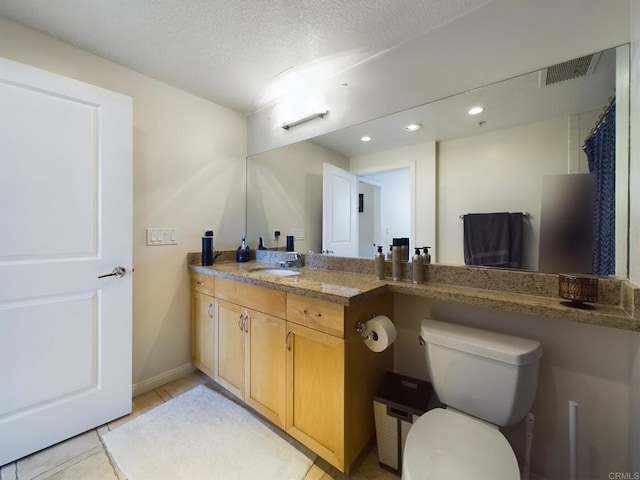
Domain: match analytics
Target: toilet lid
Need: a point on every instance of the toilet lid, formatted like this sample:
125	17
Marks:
449	445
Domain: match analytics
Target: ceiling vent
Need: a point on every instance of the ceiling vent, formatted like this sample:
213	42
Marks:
579	67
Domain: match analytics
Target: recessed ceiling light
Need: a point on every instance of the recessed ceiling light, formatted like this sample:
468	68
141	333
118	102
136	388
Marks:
413	127
366	138
476	110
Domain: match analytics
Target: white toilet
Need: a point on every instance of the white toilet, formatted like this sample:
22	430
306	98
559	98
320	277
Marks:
486	380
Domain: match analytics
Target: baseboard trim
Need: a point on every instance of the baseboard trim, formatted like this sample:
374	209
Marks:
162	378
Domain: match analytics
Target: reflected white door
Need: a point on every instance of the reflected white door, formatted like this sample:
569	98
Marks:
66	218
339	211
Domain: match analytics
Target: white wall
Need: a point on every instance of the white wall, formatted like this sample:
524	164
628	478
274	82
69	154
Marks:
623	61
421	161
285	192
580	126
634	222
588	364
634	147
188	173
500	171
395	221
369	219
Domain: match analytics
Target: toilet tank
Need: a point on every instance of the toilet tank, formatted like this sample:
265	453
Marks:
486	374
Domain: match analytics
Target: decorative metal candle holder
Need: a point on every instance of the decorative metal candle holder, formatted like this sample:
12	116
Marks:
578	289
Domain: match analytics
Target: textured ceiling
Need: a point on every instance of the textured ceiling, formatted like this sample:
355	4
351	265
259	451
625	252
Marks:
228	51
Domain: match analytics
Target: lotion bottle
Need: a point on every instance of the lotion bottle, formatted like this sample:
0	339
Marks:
426	258
396	262
417	267
378	262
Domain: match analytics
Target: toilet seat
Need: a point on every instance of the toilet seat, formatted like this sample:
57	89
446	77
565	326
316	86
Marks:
444	444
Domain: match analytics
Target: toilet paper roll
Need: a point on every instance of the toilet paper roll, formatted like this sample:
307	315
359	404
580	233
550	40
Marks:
385	333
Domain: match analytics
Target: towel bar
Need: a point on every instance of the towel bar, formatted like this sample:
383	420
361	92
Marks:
524	214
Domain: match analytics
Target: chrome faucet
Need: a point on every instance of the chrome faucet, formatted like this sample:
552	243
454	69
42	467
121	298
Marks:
292	261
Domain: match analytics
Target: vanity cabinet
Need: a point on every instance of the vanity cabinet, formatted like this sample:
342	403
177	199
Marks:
202	302
297	360
315	391
332	376
230	342
250	346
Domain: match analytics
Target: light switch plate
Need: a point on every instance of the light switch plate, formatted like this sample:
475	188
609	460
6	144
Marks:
162	236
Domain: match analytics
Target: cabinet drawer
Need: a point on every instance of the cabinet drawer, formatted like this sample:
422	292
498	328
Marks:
262	299
202	283
317	314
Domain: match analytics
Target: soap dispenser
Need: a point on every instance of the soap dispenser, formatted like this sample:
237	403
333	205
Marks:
417	266
426	258
379	263
244	253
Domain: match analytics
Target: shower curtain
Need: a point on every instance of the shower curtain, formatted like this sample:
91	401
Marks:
600	148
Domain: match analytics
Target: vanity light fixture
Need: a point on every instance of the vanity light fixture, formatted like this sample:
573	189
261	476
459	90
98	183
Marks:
475	110
366	138
293	123
413	127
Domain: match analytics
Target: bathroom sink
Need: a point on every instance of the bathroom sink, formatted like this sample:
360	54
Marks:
276	272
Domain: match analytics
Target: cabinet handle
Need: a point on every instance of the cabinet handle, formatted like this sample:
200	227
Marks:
209	312
311	314
200	283
286	340
240	322
246	323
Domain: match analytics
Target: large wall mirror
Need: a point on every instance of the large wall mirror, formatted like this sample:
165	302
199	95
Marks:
419	183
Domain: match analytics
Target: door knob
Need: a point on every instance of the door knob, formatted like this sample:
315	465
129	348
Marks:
118	272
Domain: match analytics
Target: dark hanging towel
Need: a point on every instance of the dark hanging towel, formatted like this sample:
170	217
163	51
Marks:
493	239
516	222
600	149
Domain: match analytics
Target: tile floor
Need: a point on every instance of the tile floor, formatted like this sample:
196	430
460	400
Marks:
84	457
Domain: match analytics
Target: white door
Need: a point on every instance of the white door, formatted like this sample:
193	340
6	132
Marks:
339	211
65	218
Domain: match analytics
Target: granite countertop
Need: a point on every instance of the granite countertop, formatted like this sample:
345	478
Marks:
348	288
336	286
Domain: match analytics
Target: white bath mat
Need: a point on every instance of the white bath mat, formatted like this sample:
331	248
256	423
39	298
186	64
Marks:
202	435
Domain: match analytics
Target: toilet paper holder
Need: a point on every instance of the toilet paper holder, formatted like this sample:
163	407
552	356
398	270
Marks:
369	336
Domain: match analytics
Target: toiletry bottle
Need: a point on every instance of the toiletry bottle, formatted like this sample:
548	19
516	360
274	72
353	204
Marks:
207	248
290	240
378	262
426	258
396	262
261	244
417	266
243	254
404	241
390	253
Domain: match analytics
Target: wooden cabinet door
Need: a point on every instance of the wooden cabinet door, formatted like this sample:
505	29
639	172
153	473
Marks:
265	366
230	322
202	332
315	391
